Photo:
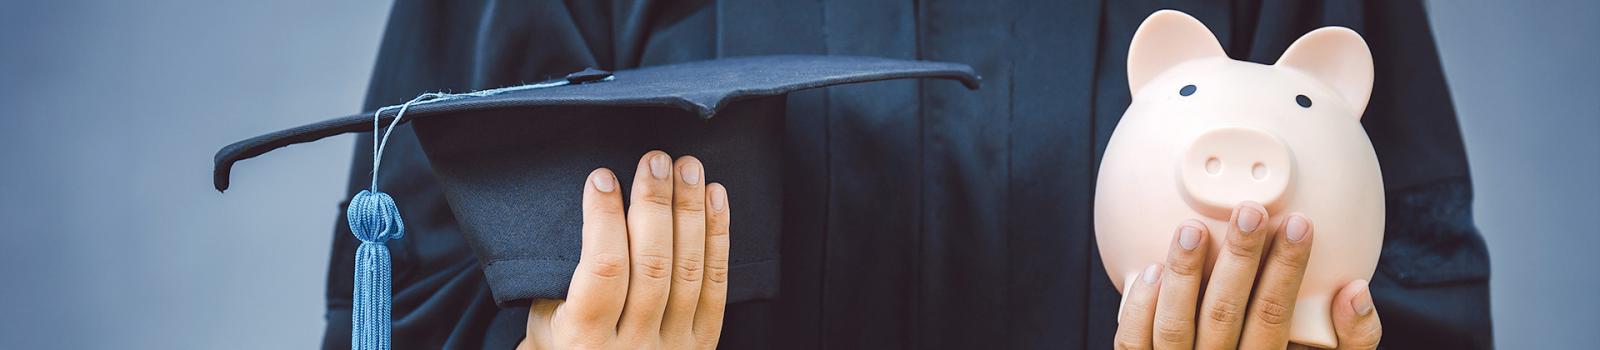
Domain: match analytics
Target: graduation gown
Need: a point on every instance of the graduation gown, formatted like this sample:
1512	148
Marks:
919	214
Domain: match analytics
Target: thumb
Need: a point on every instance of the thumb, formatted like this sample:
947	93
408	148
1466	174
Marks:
1355	317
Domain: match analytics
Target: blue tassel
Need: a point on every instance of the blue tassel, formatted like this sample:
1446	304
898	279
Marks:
374	219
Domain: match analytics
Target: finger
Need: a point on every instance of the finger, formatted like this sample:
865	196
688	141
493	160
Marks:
714	294
1355	319
1180	287
1139	310
600	284
1267	324
650	246
689	246
1234	274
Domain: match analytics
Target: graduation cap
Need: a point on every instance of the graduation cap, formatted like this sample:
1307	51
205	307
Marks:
506	159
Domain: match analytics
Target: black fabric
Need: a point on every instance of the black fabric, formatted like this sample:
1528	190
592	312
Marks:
917	214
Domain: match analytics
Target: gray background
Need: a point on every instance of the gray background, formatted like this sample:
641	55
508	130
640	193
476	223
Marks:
110	112
1527	92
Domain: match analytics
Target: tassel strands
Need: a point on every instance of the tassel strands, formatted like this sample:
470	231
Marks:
374	219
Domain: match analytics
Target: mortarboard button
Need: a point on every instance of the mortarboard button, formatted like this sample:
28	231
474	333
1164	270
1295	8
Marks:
588	75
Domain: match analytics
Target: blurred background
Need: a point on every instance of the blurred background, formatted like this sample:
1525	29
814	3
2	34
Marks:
110	111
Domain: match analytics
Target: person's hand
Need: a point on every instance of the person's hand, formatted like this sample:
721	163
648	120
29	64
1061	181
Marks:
656	278
1248	303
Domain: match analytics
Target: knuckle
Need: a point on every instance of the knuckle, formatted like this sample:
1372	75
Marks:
651	211
1271	311
688	207
1172	330
1292	260
1242	247
654	266
717	227
690	268
717	271
608	266
656	197
1186	268
1225	312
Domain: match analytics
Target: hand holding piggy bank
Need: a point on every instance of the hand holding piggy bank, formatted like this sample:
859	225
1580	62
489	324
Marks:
1205	133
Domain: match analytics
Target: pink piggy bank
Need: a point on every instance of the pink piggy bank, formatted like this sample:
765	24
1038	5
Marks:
1205	132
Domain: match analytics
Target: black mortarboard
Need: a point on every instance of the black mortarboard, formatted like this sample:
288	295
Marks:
508	159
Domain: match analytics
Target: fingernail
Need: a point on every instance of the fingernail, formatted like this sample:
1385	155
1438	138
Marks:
603	182
1297	228
719	198
691	174
1188	237
659	165
1249	219
1363	301
1152	274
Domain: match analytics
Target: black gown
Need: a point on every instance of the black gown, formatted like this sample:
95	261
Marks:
918	214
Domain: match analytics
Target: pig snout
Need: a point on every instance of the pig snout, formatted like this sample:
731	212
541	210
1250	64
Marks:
1225	166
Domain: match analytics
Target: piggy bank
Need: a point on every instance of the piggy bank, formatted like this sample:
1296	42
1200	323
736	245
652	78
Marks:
1205	132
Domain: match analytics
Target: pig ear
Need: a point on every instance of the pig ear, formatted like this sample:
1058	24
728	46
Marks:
1165	39
1338	57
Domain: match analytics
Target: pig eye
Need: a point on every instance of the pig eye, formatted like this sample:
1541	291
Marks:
1303	101
1186	90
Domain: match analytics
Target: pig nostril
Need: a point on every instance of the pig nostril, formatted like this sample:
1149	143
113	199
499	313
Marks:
1258	171
1213	166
